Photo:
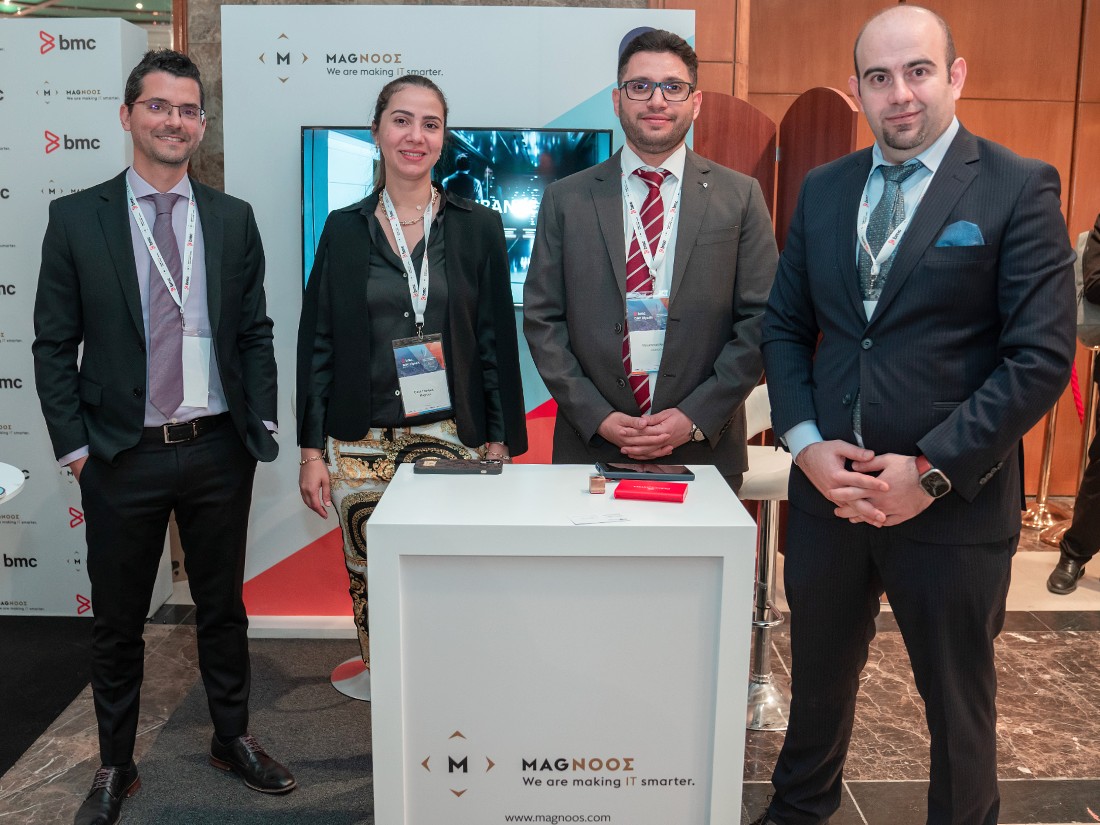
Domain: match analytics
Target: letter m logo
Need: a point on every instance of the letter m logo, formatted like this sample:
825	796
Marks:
48	42
460	764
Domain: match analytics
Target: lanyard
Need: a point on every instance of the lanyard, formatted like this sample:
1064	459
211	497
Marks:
652	261
158	259
417	291
891	242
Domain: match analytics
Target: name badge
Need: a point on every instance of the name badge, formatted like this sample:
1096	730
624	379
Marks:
196	368
421	374
646	319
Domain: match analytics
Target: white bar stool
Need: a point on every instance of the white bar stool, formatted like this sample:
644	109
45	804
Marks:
765	481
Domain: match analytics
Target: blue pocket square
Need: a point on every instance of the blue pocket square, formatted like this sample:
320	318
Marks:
961	233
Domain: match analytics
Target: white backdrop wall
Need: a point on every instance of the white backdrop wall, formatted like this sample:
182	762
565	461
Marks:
285	67
61	86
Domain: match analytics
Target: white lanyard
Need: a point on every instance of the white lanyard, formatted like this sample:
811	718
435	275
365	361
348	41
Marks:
417	291
652	261
158	259
891	242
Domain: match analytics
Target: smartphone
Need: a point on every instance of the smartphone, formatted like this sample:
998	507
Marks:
457	466
652	472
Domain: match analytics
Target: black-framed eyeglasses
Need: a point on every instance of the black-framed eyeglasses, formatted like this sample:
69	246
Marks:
674	91
162	108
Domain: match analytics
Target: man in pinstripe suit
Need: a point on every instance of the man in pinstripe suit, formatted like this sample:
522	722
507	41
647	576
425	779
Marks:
942	293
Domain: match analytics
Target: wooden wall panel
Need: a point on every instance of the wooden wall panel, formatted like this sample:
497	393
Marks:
1085	196
714	27
716	77
773	105
795	45
1090	62
1016	49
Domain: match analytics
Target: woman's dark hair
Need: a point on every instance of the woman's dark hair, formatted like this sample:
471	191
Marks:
161	60
388	91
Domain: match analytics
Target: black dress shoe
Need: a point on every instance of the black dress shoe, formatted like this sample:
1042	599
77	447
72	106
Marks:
104	801
1064	578
250	762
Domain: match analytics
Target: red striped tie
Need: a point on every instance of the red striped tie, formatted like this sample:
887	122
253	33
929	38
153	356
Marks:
638	277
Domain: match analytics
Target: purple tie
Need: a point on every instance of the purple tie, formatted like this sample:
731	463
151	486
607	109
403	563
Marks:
165	318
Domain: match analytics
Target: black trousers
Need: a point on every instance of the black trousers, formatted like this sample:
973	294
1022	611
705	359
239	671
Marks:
208	483
1082	540
949	602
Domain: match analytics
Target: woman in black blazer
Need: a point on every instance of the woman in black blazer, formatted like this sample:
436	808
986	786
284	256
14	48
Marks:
401	357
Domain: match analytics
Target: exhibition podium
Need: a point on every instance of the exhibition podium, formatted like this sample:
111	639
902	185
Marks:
534	661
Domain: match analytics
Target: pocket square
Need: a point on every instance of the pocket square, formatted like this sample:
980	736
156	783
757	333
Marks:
961	233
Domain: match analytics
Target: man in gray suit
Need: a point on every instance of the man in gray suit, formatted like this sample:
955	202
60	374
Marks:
921	322
648	278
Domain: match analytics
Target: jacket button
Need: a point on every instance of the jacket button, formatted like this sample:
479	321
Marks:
621	382
137	392
618	329
866	343
847	399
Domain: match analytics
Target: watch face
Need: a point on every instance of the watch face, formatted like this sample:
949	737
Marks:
935	483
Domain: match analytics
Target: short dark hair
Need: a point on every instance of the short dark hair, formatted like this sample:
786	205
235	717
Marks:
462	162
660	40
388	91
950	55
162	60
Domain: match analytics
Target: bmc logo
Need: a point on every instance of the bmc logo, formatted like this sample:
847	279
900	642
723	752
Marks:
65	44
16	561
11	383
5	194
55	142
83	604
76	518
7	290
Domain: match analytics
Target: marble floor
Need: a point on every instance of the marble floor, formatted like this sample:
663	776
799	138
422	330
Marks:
1048	660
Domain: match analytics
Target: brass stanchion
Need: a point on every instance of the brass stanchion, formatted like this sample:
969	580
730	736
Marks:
1053	535
1040	513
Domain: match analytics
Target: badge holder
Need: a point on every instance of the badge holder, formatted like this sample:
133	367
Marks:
646	320
421	374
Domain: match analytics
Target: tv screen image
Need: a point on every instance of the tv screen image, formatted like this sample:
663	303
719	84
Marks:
505	169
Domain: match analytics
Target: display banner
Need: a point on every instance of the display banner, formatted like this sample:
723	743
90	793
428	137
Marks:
289	67
61	84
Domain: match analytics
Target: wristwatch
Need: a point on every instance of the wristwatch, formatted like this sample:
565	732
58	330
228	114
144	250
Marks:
933	481
696	434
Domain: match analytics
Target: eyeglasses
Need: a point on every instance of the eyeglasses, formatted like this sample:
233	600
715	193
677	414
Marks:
162	108
674	91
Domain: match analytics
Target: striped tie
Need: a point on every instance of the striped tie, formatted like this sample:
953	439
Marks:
638	277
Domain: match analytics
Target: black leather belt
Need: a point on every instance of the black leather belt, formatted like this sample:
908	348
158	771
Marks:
183	431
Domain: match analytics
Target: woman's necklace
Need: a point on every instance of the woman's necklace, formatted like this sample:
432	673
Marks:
431	202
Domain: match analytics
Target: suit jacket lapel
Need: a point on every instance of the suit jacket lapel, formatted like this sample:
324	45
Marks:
849	192
114	219
694	197
955	174
607	198
213	236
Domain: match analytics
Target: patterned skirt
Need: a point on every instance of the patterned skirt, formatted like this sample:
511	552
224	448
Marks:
359	472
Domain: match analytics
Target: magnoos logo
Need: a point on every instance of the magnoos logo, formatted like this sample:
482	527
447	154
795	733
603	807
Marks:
282	60
65	44
458	767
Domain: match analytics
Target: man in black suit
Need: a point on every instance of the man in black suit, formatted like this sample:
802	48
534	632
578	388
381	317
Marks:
1082	540
908	349
168	409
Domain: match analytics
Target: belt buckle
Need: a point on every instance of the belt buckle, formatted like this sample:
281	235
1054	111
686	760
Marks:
168	439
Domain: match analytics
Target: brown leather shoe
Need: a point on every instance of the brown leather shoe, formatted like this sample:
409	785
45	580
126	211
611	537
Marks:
1063	579
250	762
110	786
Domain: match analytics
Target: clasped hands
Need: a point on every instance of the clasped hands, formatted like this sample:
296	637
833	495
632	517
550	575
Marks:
646	437
889	497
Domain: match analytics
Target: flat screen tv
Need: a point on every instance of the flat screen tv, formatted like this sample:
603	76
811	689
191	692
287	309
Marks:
505	169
